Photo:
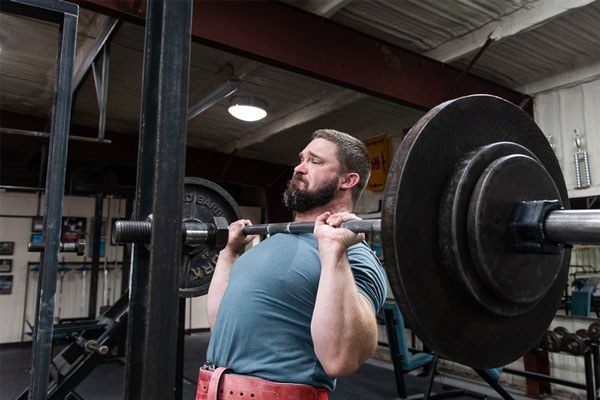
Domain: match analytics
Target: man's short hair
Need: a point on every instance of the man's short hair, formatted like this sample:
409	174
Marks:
352	155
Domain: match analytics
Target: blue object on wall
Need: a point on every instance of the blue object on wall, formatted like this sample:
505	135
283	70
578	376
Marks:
102	248
581	303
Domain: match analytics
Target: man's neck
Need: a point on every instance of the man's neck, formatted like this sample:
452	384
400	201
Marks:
333	207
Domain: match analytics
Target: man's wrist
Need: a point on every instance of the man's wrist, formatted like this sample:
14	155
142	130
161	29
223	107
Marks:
331	250
229	254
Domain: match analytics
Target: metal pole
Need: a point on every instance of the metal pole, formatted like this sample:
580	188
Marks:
180	351
590	382
55	183
126	249
154	301
95	268
573	226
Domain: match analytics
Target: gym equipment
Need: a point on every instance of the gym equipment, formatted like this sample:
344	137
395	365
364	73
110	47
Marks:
476	243
207	212
574	344
560	339
92	341
594	332
72	247
551	341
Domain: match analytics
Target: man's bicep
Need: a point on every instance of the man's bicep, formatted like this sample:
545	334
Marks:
369	277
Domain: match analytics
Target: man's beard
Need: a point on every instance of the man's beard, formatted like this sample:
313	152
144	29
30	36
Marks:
303	200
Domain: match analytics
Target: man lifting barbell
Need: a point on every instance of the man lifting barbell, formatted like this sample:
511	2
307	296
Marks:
475	228
298	309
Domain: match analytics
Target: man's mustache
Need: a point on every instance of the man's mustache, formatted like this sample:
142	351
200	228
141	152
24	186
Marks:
296	178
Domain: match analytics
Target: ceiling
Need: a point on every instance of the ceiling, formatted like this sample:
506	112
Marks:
533	41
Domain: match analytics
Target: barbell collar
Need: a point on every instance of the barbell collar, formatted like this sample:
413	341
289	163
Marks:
581	227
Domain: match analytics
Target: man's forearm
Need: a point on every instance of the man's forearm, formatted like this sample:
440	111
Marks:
343	328
218	285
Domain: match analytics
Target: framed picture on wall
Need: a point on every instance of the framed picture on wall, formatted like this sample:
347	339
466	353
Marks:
7	248
37	224
33	266
5	265
73	229
6	282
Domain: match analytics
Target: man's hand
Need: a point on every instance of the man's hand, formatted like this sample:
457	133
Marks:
327	229
237	241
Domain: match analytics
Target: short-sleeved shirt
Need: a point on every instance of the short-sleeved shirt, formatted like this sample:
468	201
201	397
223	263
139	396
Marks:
263	323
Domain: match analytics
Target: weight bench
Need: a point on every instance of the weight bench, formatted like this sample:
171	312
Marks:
405	362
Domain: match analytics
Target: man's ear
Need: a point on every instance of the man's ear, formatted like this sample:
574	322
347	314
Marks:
349	180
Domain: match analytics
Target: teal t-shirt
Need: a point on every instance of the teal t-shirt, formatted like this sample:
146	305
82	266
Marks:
263	322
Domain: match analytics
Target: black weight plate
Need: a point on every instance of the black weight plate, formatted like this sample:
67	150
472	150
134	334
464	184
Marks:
203	200
454	210
455	326
514	278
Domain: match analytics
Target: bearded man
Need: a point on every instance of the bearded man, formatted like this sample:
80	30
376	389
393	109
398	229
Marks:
298	310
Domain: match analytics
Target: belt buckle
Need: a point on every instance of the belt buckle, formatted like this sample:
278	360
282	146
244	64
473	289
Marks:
208	366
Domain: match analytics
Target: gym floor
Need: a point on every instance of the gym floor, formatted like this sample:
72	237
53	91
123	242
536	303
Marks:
373	381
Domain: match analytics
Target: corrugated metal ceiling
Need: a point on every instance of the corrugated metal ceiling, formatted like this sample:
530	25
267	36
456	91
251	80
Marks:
565	43
572	40
421	25
562	44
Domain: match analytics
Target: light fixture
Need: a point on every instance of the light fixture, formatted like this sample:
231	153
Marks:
248	108
225	90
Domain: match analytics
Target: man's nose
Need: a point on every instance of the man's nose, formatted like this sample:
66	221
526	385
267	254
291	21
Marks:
300	168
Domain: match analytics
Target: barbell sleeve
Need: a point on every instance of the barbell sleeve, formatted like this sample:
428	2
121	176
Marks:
573	227
69	247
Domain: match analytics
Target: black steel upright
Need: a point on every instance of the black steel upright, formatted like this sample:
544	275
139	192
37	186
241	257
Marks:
126	249
97	232
65	14
154	302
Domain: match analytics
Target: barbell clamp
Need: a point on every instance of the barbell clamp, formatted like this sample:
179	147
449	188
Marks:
527	227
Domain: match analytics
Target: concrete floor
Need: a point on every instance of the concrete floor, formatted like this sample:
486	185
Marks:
373	381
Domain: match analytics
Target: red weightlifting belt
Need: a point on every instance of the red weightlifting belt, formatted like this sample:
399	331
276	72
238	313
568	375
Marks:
219	385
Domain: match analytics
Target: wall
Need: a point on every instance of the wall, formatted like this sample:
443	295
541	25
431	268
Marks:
558	112
72	293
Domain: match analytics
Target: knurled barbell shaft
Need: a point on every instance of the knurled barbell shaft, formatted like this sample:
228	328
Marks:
358	226
573	226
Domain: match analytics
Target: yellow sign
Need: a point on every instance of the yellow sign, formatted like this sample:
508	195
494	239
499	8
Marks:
379	156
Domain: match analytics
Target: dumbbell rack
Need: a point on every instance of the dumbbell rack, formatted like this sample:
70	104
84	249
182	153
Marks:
561	341
591	357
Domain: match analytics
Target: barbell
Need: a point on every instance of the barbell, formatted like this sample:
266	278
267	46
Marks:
475	227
